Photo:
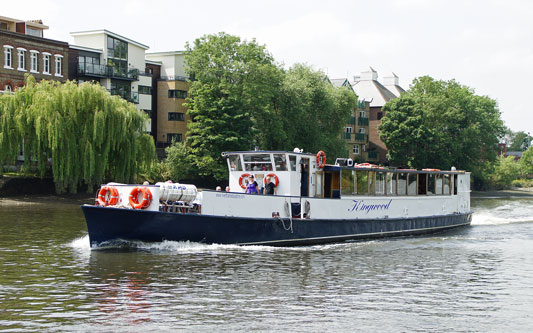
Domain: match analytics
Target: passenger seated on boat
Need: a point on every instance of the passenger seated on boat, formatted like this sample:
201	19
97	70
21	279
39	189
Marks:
227	188
219	188
270	187
252	186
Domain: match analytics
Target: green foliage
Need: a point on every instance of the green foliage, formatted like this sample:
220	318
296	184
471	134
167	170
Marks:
313	112
520	141
82	132
230	102
441	124
178	165
526	162
505	171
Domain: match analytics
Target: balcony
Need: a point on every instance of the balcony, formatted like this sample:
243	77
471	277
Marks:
360	137
362	121
352	120
347	136
132	97
105	71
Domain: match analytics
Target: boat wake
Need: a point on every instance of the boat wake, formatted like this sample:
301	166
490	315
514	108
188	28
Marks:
516	211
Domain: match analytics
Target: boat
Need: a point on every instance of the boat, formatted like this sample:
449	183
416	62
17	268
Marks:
314	203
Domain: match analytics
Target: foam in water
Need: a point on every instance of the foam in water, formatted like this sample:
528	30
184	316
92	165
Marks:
516	211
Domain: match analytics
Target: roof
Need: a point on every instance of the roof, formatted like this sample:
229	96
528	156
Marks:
166	53
110	33
85	48
392	83
340	83
368	88
32	23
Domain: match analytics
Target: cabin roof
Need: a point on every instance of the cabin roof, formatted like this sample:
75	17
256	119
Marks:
265	152
329	167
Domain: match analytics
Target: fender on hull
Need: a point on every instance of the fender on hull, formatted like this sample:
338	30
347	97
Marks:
107	224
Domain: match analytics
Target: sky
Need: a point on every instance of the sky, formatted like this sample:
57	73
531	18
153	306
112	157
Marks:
485	45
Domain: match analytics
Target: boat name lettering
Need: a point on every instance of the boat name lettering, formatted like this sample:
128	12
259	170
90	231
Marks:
359	205
230	195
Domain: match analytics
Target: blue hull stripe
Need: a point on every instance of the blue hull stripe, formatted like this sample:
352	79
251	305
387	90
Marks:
107	224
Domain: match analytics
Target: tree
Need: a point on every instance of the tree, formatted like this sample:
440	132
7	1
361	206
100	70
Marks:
231	99
505	171
313	112
441	124
85	134
526	162
520	141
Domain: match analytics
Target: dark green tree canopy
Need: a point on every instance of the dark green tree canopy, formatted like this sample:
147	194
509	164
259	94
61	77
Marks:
85	134
232	89
440	124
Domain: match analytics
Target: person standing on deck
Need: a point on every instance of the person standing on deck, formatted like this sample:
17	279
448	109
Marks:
252	186
270	187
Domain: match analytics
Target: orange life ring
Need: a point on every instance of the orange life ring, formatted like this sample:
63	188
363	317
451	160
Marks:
104	199
276	179
241	178
145	202
321	159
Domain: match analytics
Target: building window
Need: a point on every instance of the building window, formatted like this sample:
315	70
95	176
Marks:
21	59
177	94
8	88
59	65
356	149
46	63
174	137
364	147
34	61
34	32
380	115
348	129
145	90
122	89
362	130
176	116
362	114
8	56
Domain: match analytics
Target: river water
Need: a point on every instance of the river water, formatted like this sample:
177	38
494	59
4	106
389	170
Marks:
475	279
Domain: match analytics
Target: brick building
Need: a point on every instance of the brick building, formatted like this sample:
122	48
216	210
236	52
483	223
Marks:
26	51
369	89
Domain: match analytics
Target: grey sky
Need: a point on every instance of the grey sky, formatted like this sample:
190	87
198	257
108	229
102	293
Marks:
486	45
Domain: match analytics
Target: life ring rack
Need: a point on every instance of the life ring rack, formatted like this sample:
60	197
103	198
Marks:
134	197
321	159
104	199
241	179
276	179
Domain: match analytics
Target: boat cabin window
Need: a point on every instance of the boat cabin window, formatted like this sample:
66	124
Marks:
390	180
347	182
292	160
380	183
422	184
280	162
432	184
438	184
402	183
362	182
455	184
411	187
257	162
235	163
446	184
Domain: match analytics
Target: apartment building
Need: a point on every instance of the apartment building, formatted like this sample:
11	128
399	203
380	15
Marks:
356	131
117	63
26	51
171	89
370	90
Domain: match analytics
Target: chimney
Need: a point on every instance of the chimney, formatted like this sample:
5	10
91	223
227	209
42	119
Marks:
392	80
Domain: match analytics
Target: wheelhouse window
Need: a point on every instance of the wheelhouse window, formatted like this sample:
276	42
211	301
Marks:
257	162
8	56
34	61
280	162
292	160
361	182
235	163
438	184
380	183
446	184
411	188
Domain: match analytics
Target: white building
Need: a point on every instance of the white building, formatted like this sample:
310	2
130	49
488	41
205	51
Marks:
117	62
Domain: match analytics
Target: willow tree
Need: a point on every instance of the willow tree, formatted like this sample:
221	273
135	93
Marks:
81	131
